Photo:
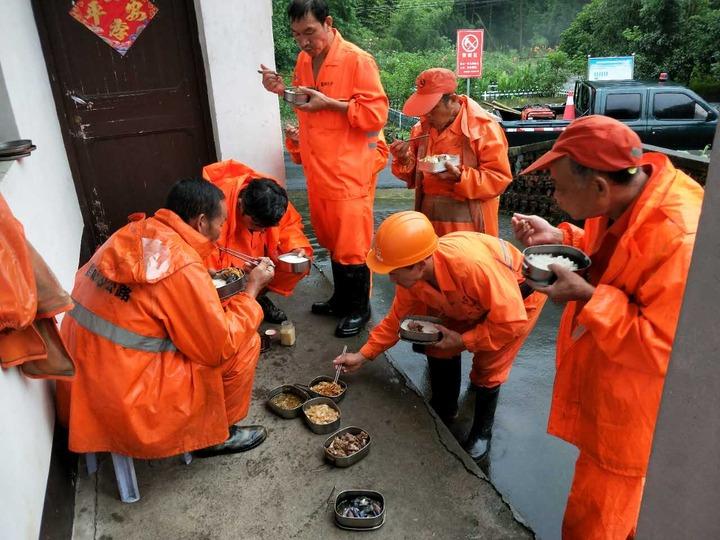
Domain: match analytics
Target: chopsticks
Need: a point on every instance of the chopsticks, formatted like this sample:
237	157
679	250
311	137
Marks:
246	258
339	368
269	71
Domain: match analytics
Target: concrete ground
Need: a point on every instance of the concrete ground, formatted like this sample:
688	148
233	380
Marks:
284	488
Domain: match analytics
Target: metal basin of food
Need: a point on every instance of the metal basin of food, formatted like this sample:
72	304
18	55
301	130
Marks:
289	262
324	378
346	461
287	389
426	335
235	282
293	96
321	429
359	523
438	166
541	276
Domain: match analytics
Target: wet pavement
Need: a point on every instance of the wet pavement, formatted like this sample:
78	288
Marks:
531	469
284	488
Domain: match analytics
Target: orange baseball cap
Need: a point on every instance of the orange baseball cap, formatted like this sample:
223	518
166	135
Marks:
430	86
597	142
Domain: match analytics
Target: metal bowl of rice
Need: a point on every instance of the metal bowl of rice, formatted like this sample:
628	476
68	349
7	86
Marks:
536	260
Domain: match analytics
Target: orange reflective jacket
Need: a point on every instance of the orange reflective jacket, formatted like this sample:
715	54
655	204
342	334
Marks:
612	355
231	177
150	338
18	293
480	142
337	149
479	297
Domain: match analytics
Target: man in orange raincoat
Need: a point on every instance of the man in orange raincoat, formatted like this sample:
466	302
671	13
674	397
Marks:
474	283
618	327
338	134
162	367
465	197
261	222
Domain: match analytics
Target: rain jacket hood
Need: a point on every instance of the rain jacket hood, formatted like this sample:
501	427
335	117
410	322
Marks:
147	250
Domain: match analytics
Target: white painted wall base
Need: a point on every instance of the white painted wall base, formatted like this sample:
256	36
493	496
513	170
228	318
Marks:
236	37
41	194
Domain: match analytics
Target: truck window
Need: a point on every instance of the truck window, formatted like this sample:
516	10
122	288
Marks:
677	106
582	99
623	106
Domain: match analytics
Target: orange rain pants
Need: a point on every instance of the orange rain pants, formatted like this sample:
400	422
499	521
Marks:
613	351
602	505
478	297
338	150
472	202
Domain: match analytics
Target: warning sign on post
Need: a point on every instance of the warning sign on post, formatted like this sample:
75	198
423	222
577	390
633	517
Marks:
469	53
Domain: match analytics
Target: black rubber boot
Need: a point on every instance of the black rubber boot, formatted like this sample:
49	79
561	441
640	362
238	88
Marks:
445	386
335	306
478	441
357	298
241	439
271	313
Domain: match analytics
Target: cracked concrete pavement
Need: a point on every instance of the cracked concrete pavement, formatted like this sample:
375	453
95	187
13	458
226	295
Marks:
284	488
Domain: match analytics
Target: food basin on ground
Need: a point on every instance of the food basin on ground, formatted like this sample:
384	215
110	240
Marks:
327	388
543	260
286	401
348	443
414	325
322	414
359	507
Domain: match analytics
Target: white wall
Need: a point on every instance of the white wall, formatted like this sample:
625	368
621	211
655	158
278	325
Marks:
236	37
40	191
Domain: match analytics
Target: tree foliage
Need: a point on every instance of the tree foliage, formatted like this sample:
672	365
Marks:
681	37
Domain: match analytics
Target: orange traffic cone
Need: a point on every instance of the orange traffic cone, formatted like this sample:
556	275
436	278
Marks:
569	112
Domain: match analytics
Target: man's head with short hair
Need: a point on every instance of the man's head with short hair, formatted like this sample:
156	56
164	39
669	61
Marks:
311	26
298	9
200	204
595	167
263	203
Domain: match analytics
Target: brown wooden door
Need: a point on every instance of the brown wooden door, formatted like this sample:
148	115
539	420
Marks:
132	124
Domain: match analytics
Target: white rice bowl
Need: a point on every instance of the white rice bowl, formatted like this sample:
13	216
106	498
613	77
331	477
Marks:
542	261
291	258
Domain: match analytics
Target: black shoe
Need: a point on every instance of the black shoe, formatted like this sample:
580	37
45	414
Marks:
241	439
350	325
445	386
478	441
356	292
271	313
334	306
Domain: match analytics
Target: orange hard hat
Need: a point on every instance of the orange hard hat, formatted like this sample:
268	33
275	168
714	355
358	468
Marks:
402	240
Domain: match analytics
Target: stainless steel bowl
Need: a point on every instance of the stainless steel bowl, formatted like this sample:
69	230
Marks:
352	458
354	523
439	167
290	389
420	337
543	277
321	429
336	399
291	95
292	267
231	288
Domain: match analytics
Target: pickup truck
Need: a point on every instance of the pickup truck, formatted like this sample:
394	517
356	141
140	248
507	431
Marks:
662	113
